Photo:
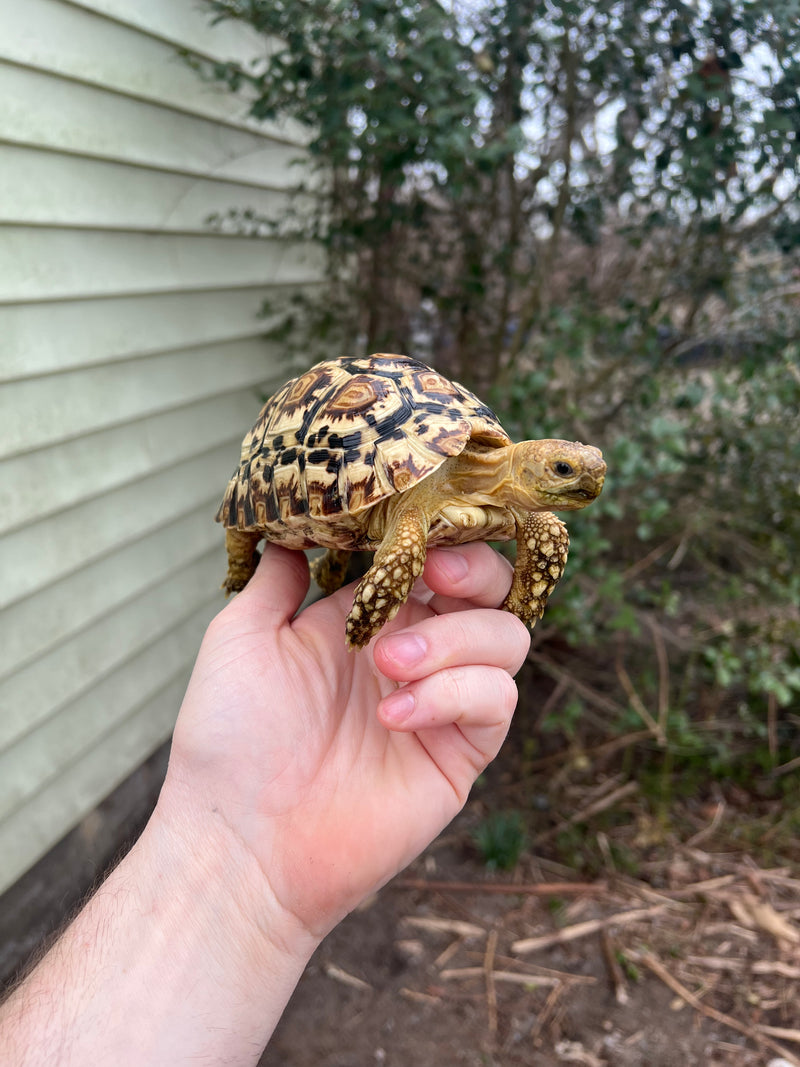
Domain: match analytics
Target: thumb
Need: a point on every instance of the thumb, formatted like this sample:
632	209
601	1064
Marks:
278	587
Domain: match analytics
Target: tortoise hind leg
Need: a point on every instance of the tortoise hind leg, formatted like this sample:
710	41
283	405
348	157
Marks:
542	546
243	559
330	569
385	587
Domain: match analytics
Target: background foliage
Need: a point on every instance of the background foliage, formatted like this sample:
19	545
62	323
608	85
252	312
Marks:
589	211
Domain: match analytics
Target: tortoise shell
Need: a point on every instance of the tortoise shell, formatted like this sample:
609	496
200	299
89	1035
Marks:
345	435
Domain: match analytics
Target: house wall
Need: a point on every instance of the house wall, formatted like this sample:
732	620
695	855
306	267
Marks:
132	360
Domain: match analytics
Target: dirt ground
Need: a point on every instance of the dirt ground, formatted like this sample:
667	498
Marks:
692	959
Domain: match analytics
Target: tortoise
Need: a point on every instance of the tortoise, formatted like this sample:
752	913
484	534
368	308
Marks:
383	453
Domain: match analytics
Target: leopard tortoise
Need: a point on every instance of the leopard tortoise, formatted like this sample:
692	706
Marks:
383	453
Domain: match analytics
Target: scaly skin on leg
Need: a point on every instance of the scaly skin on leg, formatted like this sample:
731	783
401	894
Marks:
330	569
386	585
542	547
242	559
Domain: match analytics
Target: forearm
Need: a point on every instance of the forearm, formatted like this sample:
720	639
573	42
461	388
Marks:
174	960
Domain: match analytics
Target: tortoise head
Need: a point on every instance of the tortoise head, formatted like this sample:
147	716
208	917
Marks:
557	475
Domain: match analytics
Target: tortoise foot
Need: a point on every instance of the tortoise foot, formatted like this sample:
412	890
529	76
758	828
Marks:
542	547
243	557
330	569
385	587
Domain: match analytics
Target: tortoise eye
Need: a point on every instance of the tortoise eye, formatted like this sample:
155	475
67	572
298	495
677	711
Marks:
564	469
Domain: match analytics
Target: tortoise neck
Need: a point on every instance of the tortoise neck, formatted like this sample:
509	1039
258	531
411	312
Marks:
483	475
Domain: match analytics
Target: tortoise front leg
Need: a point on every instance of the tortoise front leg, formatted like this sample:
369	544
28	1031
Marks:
542	547
242	558
385	587
330	569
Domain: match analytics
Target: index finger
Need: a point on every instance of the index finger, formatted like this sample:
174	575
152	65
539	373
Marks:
467	576
278	586
480	636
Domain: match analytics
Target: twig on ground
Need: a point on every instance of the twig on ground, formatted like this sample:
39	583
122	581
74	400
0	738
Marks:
592	696
614	969
783	1032
585	929
491	993
445	926
639	706
592	809
705	888
785	970
654	554
515	977
537	889
553	998
417	996
707	831
750	911
785	768
535	971
447	954
338	975
663	673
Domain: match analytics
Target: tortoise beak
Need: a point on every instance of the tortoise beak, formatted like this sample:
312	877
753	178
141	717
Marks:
591	484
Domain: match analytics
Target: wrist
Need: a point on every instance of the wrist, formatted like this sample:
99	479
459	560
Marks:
210	894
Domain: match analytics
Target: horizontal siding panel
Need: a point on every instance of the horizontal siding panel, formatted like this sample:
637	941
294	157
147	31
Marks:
39	264
93	529
70	674
175	23
44	338
76	43
35	748
35	625
87	120
43	411
37	485
40	188
62	803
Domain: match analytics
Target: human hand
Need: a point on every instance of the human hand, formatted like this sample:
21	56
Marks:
300	779
312	758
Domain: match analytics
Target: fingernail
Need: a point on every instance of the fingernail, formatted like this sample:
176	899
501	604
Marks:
454	565
405	649
398	706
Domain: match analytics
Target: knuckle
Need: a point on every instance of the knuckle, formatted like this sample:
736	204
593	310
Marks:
455	691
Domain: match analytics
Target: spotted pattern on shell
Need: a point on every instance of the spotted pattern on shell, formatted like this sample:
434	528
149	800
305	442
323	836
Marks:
341	437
